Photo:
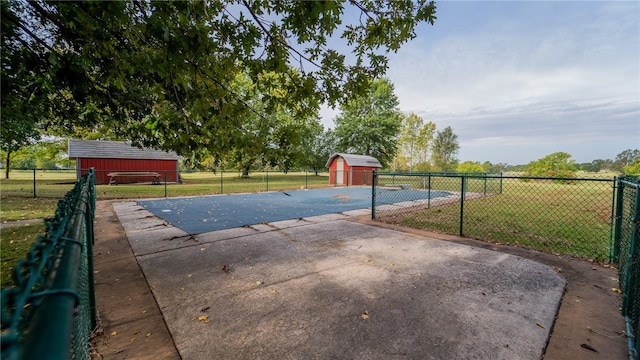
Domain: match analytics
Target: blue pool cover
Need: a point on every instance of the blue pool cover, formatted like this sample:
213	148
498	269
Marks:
197	215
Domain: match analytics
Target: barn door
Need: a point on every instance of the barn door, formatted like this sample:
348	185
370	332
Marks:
340	171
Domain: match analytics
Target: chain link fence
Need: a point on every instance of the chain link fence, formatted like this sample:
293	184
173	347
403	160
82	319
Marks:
115	184
569	216
592	218
52	309
50	312
626	241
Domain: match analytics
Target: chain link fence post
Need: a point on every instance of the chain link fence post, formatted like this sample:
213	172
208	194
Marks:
429	191
462	192
374	181
485	185
612	222
618	217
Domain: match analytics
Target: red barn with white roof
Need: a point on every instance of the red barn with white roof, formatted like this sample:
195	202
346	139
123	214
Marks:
350	169
119	156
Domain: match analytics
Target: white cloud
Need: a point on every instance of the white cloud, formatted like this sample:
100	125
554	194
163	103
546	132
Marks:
327	114
535	74
519	80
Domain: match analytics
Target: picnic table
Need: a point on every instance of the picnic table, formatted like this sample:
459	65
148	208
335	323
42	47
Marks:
154	175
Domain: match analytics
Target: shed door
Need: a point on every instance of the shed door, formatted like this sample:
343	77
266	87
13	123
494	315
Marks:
340	171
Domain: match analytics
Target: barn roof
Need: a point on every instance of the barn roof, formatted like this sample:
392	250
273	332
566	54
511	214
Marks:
356	160
115	150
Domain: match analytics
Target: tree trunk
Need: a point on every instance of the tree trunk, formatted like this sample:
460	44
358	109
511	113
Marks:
245	172
6	165
411	154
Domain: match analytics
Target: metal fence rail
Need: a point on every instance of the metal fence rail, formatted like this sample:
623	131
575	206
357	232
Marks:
51	311
41	183
627	256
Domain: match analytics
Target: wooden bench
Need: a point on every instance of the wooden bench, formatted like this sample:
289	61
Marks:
154	175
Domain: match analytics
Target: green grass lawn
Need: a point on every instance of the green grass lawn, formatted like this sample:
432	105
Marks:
14	208
564	218
55	184
15	242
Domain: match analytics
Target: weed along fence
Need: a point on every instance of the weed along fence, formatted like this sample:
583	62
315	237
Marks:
51	311
590	218
626	255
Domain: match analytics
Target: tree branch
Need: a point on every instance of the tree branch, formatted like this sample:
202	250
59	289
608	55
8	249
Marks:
19	24
197	68
274	39
362	8
142	11
46	14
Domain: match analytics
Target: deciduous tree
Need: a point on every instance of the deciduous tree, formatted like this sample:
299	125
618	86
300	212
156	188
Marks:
625	158
470	167
47	154
316	146
160	73
558	164
370	124
445	150
269	135
416	138
22	96
494	168
633	168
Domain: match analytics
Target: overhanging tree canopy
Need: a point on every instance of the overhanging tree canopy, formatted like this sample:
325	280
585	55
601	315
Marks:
160	72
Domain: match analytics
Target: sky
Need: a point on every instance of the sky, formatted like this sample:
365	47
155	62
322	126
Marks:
518	80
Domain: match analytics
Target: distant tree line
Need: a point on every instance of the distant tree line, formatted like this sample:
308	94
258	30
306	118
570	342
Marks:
561	164
618	164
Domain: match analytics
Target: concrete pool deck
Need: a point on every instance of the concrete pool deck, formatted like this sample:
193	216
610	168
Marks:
323	287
